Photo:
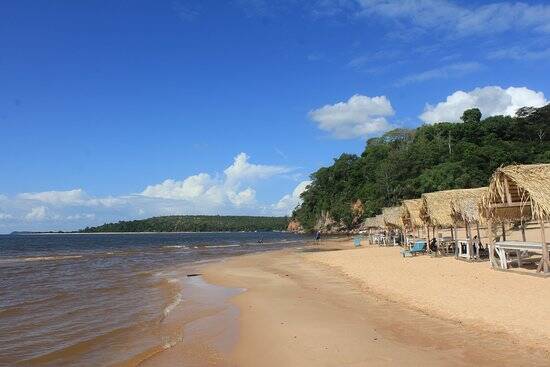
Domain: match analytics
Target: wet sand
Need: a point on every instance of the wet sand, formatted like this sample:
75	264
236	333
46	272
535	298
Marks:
300	310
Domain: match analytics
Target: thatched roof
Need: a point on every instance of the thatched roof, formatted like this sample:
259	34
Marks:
392	216
410	214
464	207
518	192
373	222
436	207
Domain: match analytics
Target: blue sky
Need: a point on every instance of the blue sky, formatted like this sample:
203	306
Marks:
128	109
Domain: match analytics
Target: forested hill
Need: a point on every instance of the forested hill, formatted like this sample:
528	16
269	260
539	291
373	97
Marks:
403	164
195	223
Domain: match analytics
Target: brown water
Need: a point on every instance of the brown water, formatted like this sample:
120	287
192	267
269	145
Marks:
98	300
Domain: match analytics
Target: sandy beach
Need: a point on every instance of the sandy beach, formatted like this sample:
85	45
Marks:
333	305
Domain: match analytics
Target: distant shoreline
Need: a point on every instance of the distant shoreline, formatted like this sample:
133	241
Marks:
86	233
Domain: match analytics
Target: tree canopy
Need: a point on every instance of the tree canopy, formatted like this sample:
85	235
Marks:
195	223
404	163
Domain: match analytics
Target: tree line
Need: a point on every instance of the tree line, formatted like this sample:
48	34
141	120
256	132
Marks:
195	223
404	163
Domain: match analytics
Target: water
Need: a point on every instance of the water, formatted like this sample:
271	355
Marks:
100	299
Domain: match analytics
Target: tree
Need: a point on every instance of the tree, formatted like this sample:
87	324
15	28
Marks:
403	164
473	115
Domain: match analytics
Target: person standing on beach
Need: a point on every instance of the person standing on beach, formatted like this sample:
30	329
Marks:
318	236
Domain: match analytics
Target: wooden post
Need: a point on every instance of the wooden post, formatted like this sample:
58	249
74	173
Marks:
503	232
491	244
545	261
470	246
523	231
428	250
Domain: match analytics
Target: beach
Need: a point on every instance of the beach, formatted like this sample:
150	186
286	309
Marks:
333	305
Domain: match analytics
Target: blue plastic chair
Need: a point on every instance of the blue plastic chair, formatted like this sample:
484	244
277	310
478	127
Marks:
357	241
418	247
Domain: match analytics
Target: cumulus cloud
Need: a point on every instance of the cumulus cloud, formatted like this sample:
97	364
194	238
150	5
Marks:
5	216
37	213
70	197
491	101
232	191
462	19
208	191
359	116
286	205
242	170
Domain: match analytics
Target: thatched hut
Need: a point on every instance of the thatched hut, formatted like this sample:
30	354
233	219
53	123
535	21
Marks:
520	193
437	210
465	212
410	214
392	217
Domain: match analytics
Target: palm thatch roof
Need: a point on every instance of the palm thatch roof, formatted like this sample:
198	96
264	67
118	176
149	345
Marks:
518	192
436	207
465	208
410	214
373	222
392	216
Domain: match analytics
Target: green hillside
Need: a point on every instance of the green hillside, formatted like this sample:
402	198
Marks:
405	163
194	223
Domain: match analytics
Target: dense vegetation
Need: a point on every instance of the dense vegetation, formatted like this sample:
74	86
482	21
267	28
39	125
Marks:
405	163
195	223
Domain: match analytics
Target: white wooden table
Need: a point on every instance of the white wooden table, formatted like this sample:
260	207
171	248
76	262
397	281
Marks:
522	251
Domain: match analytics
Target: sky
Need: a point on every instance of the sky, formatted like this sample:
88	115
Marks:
116	110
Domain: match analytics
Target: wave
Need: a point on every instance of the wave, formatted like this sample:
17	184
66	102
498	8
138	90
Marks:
175	246
40	258
221	246
175	302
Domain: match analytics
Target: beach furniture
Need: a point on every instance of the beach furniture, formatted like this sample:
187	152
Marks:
517	253
418	248
357	241
518	193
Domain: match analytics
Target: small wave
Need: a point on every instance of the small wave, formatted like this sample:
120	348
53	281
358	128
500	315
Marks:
40	258
221	246
175	246
175	301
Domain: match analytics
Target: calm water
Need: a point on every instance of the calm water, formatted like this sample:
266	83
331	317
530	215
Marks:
82	300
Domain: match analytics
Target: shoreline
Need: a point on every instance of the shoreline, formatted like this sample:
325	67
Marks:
301	307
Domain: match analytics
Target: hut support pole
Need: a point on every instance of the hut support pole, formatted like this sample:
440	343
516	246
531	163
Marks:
503	232
428	250
491	245
523	231
470	245
545	261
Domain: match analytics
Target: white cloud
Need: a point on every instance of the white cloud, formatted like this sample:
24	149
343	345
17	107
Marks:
191	187
38	213
358	117
231	192
70	197
286	205
202	189
242	170
5	216
448	71
491	101
81	216
461	19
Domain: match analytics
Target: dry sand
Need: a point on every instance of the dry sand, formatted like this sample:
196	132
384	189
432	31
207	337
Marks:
470	293
333	305
370	307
